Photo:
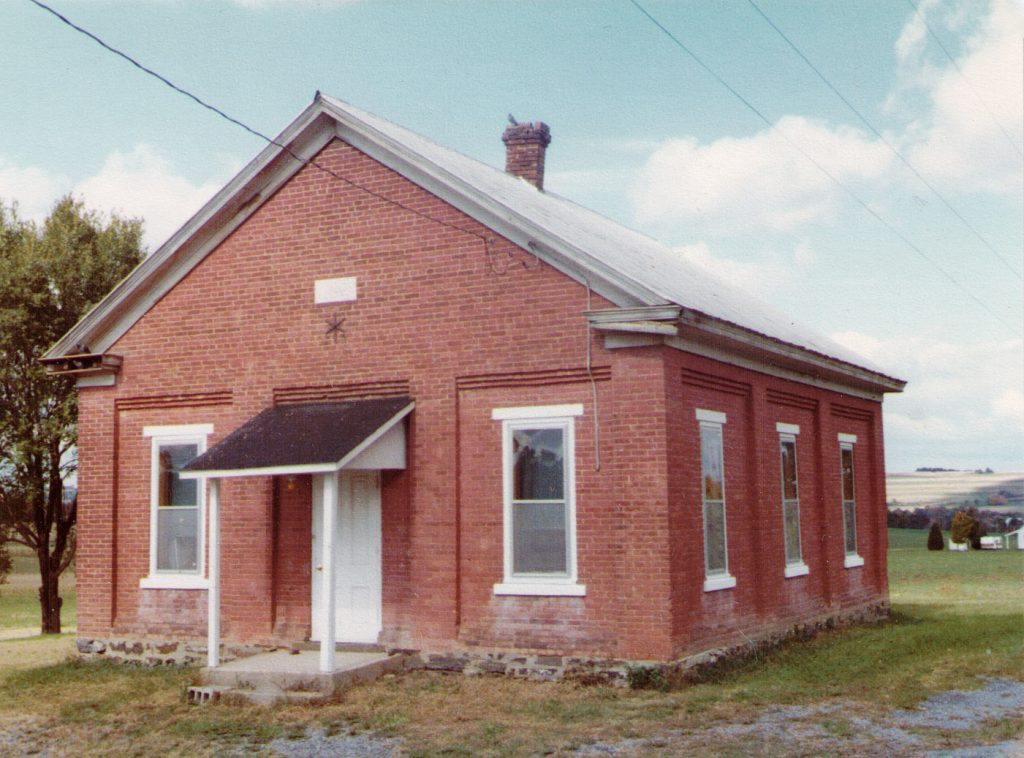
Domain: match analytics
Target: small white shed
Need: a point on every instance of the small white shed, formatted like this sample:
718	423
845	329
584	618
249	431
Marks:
1014	540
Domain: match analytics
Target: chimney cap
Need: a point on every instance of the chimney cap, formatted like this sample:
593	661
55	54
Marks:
525	131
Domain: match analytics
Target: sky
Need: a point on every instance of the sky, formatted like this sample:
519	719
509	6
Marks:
791	194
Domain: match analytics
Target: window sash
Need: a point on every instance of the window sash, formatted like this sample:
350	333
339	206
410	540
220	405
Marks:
850	526
716	548
790	500
716	556
177	530
544	549
848	479
791	522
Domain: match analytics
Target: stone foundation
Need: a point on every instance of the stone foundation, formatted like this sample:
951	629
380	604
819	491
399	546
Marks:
615	672
536	666
158	652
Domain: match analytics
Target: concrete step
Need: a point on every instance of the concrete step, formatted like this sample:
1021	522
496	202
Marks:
280	674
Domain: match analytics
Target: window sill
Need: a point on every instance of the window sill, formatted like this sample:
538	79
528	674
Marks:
540	589
797	569
853	561
174	582
715	583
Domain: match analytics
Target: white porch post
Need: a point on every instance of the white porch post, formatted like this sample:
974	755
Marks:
329	483
213	594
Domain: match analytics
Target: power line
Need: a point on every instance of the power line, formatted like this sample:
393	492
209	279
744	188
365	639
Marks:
862	203
217	111
963	76
884	141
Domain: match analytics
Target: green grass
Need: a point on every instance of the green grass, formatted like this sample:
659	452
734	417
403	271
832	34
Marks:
19	597
955	616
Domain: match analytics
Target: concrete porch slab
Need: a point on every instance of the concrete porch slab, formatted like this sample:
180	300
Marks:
283	675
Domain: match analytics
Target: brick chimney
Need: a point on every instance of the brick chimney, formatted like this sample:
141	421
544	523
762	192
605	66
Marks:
525	145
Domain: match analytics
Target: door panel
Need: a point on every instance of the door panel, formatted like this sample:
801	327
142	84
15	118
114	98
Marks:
357	558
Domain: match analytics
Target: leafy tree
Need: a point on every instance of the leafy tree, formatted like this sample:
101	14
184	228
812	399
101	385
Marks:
935	541
963	525
50	276
977	528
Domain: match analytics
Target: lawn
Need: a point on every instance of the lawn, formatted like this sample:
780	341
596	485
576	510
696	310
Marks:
19	597
956	616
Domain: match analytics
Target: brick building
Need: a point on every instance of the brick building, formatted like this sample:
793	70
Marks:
379	382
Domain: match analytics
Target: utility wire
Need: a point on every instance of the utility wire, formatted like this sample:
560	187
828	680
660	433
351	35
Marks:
305	161
884	141
981	100
862	203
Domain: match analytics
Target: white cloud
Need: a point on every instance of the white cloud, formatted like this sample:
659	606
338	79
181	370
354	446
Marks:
1010	406
961	137
963	405
33	189
142	183
761	181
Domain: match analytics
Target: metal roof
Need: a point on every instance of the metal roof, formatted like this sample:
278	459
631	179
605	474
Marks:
628	268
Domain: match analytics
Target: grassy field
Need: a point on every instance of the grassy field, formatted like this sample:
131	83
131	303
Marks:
19	597
922	488
956	617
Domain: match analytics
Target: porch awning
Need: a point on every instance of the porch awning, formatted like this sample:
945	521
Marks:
304	438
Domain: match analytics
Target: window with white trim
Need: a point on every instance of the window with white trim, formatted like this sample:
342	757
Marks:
795	565
538	473
846	445
177	508
712	474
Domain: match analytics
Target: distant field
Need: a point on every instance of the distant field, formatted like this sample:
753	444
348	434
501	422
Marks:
19	598
925	488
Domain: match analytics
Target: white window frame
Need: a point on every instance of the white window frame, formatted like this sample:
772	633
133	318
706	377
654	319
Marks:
718	580
181	434
798	567
540	417
848	442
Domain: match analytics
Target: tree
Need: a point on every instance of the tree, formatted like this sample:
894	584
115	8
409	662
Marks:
977	528
935	541
50	276
962	527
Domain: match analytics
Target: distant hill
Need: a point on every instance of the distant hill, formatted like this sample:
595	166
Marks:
924	488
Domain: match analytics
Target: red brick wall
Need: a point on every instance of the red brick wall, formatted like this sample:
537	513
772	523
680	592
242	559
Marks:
468	327
754	403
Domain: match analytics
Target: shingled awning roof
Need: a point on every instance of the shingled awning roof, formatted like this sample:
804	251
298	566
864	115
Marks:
305	438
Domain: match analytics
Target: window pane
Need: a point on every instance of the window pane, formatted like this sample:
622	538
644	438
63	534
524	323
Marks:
791	515
173	489
714	537
538	538
711	462
788	448
850	525
538	471
847	455
177	538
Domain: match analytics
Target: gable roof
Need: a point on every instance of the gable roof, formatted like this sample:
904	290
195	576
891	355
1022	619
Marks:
626	267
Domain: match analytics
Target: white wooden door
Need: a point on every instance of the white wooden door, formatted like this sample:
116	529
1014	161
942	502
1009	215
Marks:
357	559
